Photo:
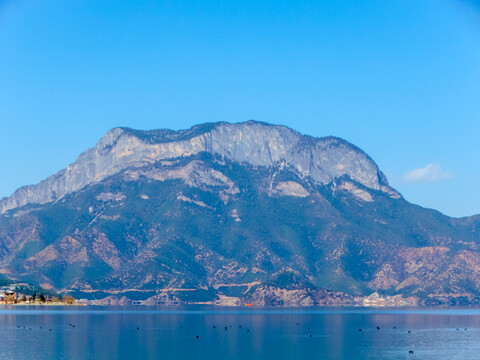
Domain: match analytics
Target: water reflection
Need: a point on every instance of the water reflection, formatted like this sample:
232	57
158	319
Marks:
109	333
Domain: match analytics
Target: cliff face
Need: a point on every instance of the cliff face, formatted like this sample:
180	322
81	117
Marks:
251	143
250	210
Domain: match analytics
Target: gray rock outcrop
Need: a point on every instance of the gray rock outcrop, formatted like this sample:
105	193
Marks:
258	144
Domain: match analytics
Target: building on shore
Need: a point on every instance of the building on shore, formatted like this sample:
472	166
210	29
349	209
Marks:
8	297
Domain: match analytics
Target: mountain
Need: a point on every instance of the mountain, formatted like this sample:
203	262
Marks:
233	213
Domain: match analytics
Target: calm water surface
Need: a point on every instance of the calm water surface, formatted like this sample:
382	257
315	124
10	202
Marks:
111	333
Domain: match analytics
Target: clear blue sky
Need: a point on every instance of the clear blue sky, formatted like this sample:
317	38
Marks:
398	78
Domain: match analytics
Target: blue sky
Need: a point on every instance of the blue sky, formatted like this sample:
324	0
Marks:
399	78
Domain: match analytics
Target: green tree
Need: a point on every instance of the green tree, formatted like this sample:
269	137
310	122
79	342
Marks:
34	297
42	298
24	298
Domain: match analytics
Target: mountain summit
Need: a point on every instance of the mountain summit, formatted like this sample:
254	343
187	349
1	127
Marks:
253	143
233	212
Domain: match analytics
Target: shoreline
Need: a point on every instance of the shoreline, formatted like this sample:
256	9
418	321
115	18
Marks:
215	307
46	304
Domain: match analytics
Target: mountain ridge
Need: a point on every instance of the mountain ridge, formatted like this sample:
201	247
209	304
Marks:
248	211
59	185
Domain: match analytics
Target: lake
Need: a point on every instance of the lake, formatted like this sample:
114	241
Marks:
231	333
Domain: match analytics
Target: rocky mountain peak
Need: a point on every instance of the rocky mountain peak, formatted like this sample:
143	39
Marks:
251	143
251	211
